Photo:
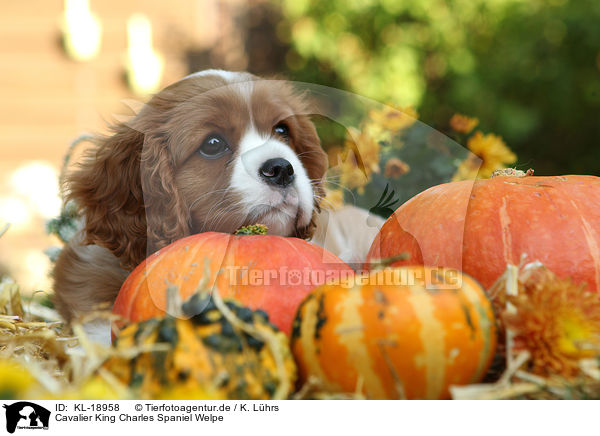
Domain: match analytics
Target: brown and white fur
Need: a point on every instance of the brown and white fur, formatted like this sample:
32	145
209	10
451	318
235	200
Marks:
165	175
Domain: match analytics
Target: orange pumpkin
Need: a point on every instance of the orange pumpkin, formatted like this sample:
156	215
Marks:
265	272
398	332
480	227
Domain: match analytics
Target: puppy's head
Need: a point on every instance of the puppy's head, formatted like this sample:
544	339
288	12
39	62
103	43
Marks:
244	152
212	152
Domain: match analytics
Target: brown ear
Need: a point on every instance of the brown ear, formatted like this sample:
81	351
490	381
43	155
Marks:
168	218
125	191
314	159
107	189
311	153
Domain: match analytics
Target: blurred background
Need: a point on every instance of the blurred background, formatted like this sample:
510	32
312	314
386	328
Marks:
528	70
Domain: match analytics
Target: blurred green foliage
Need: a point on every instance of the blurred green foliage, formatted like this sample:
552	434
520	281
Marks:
528	69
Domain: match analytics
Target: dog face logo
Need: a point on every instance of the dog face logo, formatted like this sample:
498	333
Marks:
24	414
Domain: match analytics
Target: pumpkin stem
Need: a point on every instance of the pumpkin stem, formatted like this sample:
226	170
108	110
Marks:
253	229
512	172
388	261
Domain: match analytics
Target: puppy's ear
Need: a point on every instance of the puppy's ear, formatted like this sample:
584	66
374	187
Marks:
168	218
107	189
314	159
126	192
305	139
312	155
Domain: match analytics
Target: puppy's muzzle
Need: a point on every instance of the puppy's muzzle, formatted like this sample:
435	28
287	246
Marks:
278	172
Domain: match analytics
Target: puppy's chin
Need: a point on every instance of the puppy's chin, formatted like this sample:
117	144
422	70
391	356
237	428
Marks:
285	219
284	213
282	220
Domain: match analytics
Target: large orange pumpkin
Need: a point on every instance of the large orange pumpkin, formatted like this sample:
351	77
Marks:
265	272
397	333
480	227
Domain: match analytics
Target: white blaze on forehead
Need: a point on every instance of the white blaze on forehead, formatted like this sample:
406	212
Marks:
252	139
283	206
228	76
242	82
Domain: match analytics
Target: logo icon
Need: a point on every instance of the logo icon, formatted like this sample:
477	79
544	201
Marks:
386	204
26	415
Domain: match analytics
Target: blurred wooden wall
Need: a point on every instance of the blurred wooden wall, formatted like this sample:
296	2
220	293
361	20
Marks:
47	99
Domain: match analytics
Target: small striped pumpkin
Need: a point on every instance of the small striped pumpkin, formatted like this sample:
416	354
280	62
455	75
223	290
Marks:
407	332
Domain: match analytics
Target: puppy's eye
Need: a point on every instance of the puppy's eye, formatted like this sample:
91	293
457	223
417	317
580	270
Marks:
282	130
213	147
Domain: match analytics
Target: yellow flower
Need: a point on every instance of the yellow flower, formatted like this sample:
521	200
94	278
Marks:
462	123
352	175
15	380
492	150
468	169
359	160
557	321
392	118
333	155
334	199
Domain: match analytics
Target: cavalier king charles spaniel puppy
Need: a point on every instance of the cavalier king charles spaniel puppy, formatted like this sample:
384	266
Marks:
212	152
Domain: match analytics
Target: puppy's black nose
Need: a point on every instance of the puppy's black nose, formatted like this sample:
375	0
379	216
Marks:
277	171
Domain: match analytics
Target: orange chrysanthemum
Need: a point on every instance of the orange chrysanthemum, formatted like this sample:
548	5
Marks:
462	123
557	321
394	168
